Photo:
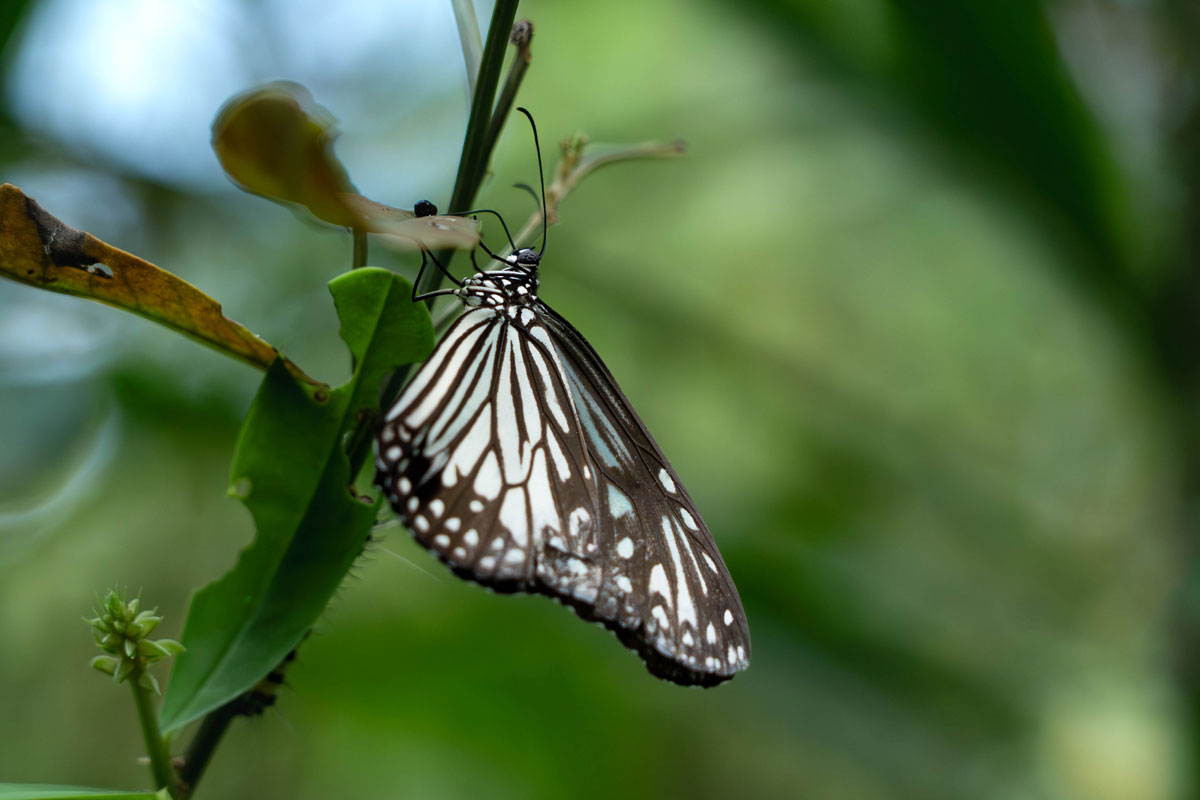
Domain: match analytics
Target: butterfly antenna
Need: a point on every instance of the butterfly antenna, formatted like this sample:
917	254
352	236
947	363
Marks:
541	175
496	214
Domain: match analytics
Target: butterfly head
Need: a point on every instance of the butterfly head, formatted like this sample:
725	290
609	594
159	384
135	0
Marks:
527	258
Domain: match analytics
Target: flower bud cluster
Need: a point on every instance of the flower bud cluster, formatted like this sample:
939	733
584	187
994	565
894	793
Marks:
122	632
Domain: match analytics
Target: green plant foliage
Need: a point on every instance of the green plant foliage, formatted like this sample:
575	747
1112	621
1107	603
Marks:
13	791
293	474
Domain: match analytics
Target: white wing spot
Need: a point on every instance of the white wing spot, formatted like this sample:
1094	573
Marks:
728	617
741	653
514	556
413	502
732	655
625	547
436	507
393	453
687	638
512	516
488	481
404	485
487	562
687	611
441	540
421	524
460	553
624	584
471	538
452	524
666	481
708	560
498	543
710	634
560	459
658	582
577	521
661	615
389	433
618	503
475	506
688	519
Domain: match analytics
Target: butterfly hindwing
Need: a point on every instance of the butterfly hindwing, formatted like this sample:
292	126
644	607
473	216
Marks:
693	620
514	456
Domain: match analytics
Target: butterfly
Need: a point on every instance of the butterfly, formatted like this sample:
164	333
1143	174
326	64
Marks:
514	456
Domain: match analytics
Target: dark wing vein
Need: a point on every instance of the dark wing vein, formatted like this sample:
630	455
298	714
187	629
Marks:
514	456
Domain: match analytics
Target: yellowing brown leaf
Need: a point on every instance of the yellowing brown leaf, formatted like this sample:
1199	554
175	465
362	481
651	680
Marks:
38	249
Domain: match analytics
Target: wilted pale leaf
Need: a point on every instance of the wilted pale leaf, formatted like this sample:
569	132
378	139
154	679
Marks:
38	249
275	141
404	230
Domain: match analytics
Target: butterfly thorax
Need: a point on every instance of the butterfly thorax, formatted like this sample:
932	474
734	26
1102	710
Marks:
510	289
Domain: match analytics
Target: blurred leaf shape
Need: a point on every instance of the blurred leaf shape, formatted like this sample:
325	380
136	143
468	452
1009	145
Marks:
404	230
292	472
15	791
38	249
277	142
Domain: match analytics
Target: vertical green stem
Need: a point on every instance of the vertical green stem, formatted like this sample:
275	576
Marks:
471	169
156	745
359	257
472	166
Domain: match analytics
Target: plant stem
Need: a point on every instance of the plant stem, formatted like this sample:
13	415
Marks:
468	35
522	36
471	169
574	167
359	257
472	165
156	745
204	743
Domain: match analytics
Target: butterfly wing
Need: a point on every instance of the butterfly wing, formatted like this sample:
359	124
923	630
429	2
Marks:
692	626
514	456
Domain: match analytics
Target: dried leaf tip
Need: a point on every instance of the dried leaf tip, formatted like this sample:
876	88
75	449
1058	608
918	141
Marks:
522	33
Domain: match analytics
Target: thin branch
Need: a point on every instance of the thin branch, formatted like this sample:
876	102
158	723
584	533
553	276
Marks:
468	35
521	37
470	174
156	745
204	744
574	167
359	257
472	165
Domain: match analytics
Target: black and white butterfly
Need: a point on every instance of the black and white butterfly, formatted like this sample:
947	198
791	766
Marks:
513	455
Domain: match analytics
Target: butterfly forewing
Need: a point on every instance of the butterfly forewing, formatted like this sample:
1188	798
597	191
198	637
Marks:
513	455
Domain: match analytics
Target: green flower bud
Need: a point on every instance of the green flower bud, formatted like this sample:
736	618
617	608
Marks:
121	629
106	664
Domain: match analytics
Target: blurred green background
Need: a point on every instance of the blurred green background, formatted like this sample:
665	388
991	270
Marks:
897	319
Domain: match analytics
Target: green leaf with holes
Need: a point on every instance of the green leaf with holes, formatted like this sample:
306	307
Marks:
292	472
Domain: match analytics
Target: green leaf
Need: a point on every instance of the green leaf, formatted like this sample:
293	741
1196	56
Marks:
17	791
292	472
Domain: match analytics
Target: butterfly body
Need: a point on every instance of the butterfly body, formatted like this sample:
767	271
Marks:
513	455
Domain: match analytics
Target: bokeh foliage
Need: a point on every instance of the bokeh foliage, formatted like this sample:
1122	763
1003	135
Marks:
889	318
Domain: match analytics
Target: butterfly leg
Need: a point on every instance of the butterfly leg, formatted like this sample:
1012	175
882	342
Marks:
426	257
